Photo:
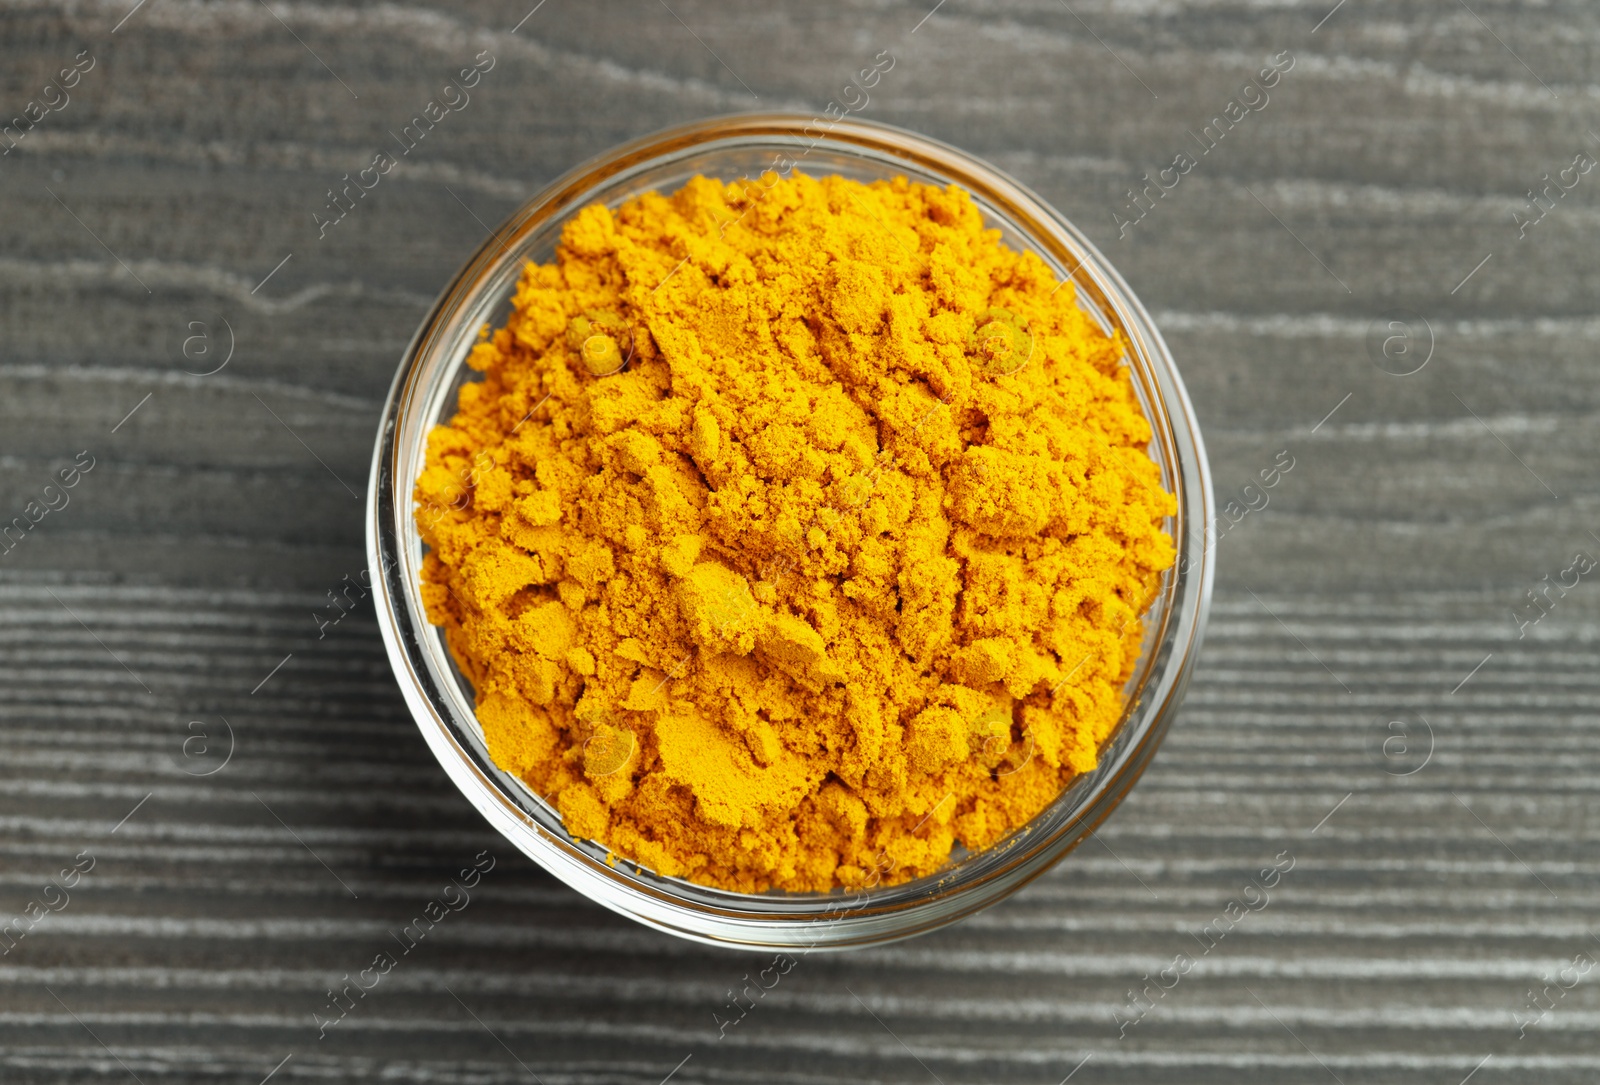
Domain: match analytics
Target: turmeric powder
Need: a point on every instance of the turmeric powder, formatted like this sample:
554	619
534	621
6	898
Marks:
798	531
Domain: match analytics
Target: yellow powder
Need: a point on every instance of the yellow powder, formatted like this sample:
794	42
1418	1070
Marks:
797	531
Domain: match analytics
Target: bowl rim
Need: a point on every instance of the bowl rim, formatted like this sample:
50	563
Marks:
776	921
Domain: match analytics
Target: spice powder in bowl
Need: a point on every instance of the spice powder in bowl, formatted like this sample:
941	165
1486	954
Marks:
798	531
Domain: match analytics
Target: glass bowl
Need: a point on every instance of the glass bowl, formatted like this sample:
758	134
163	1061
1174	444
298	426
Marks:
424	394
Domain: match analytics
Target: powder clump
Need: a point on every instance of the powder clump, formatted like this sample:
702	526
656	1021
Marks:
797	532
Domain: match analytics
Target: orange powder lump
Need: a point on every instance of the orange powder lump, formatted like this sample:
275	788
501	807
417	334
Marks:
798	531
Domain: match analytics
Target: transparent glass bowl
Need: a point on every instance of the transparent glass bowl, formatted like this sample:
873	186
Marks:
424	394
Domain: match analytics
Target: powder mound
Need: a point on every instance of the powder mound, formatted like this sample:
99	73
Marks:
798	531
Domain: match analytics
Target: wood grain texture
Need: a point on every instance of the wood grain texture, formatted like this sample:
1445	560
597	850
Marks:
1388	162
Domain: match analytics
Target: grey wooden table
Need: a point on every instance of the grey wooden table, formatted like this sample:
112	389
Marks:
1376	706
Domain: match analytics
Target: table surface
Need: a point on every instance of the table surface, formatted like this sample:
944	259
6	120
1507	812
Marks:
1376	192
